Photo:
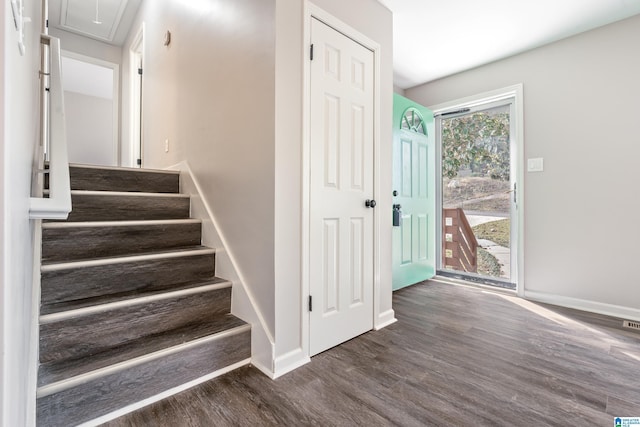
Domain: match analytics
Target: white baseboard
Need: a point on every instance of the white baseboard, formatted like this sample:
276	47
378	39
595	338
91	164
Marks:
289	361
262	351
259	366
627	313
385	319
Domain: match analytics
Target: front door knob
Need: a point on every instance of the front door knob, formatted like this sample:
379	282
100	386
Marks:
370	203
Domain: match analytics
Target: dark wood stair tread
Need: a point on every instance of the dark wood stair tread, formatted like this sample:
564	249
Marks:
116	193
115	168
91	396
63	369
78	280
68	241
60	370
81	333
125	206
60	307
117	259
99	178
119	193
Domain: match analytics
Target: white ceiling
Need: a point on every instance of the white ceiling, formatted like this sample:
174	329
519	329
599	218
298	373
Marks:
104	20
437	38
432	38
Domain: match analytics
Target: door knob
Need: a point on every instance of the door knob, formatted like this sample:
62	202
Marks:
370	203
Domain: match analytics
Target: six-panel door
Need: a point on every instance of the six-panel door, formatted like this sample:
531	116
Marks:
341	157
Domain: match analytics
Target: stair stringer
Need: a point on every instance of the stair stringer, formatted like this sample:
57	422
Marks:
243	303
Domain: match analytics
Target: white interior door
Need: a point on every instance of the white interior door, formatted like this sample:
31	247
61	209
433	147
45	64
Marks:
341	153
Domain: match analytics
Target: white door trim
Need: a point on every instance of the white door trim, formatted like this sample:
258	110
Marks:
515	92
136	136
311	10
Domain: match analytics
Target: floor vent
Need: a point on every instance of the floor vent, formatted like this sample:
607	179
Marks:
631	325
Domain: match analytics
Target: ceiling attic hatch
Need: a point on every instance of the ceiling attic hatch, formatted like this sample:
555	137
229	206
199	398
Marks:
97	20
104	20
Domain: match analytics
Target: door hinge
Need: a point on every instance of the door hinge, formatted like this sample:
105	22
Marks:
515	193
140	71
310	303
311	52
139	162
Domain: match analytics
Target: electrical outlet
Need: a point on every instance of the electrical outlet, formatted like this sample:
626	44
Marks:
166	145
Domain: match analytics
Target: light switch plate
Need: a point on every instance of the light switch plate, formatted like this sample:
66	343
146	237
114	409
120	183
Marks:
535	165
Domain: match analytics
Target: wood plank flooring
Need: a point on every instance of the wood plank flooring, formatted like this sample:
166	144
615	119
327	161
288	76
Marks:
457	356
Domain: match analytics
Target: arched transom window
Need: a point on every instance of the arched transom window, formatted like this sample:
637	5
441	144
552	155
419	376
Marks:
412	121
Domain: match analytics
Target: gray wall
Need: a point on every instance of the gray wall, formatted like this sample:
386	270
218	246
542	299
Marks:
211	94
581	111
90	129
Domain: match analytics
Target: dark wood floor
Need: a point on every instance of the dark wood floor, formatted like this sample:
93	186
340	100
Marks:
458	356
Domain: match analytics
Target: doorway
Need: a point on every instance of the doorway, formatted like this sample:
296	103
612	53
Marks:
91	104
479	191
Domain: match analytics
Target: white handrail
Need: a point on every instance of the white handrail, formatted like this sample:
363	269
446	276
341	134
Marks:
58	204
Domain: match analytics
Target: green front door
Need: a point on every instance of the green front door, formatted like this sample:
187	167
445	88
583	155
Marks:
414	239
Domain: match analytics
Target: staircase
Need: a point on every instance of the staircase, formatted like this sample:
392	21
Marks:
130	305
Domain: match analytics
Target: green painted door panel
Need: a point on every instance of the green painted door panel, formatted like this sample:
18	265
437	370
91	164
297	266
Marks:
414	241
